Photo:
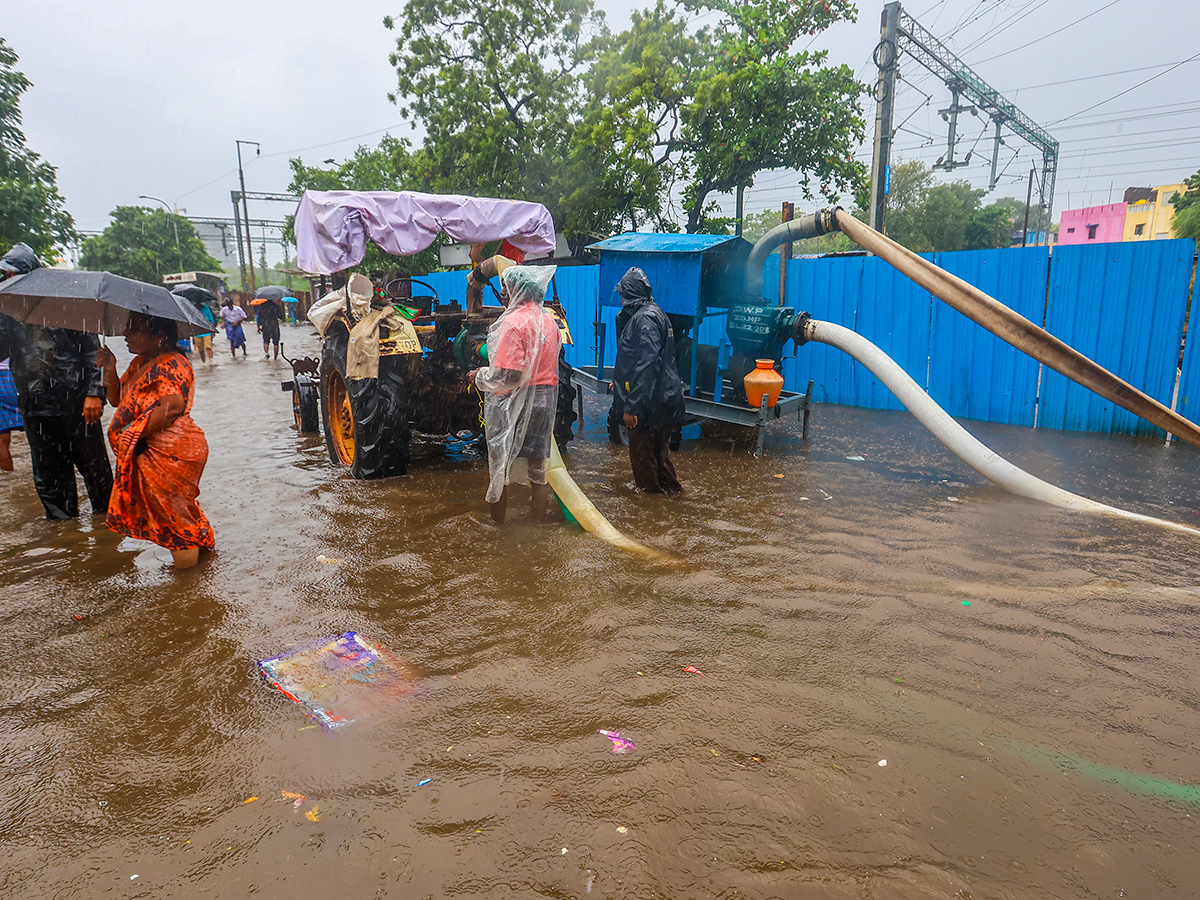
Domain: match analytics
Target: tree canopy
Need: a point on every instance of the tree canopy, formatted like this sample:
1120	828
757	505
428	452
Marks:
538	100
141	243
31	208
1186	223
927	216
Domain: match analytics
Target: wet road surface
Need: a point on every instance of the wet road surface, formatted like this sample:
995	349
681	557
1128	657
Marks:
1030	676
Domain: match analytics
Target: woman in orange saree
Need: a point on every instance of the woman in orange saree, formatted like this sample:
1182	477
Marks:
160	451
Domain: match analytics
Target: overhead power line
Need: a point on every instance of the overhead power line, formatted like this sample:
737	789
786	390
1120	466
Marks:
1007	24
1127	90
1050	34
1030	87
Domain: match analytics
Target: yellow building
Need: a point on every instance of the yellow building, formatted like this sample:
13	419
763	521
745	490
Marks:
1149	212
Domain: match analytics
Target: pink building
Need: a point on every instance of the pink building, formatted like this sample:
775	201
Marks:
1093	224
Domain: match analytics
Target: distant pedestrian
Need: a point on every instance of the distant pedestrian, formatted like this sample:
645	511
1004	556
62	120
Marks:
60	396
268	314
520	387
647	384
203	342
233	316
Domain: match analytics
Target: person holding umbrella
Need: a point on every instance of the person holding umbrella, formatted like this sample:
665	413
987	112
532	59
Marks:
60	395
160	450
268	304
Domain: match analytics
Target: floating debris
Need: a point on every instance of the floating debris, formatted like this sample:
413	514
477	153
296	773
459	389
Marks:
620	744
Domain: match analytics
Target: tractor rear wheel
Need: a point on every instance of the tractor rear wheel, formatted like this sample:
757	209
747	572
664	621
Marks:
365	420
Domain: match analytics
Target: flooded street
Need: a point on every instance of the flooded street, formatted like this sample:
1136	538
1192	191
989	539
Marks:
1030	676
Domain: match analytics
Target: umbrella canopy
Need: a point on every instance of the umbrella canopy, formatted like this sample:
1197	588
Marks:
270	292
195	294
96	302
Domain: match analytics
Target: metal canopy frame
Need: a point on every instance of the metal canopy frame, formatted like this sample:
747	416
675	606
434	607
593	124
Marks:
900	32
238	197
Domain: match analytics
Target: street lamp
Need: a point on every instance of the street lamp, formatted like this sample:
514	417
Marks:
245	209
174	224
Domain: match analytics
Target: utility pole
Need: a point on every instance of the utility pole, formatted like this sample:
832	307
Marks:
245	209
886	55
174	224
741	209
902	33
1028	200
237	229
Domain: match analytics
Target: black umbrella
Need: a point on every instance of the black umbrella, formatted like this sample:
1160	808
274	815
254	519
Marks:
270	292
96	302
196	294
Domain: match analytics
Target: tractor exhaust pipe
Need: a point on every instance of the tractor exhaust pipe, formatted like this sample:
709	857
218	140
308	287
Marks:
480	276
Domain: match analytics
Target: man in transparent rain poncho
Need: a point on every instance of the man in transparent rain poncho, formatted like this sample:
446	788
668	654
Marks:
520	387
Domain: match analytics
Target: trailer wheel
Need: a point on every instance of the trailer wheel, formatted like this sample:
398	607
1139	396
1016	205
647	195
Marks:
365	420
306	405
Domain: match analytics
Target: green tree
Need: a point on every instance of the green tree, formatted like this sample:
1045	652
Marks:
622	161
536	100
31	208
1186	222
496	88
926	216
755	105
142	243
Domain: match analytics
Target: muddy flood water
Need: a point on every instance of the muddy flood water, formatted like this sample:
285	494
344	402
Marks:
1030	676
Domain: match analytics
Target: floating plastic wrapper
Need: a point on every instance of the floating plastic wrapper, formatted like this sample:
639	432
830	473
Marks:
339	679
620	744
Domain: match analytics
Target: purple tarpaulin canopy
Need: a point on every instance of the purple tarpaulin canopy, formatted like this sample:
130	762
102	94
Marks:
332	227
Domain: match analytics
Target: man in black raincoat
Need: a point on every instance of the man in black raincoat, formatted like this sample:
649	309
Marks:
59	392
647	383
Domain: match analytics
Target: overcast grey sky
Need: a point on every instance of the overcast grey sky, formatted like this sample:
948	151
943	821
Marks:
135	97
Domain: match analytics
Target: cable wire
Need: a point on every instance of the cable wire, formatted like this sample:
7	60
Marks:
1127	90
1051	34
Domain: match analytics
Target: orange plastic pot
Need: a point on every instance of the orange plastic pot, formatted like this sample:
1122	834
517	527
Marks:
763	380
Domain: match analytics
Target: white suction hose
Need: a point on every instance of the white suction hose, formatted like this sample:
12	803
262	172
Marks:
957	439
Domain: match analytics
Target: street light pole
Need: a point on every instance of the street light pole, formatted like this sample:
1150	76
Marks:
245	209
174	224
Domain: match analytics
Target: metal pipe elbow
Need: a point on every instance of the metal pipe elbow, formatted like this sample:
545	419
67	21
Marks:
821	222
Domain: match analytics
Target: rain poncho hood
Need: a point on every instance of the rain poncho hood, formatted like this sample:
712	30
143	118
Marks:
525	334
634	286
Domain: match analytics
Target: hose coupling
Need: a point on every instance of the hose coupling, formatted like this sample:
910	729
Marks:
800	328
826	220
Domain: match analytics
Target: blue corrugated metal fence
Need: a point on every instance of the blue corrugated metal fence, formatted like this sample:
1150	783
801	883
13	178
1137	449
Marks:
1122	304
